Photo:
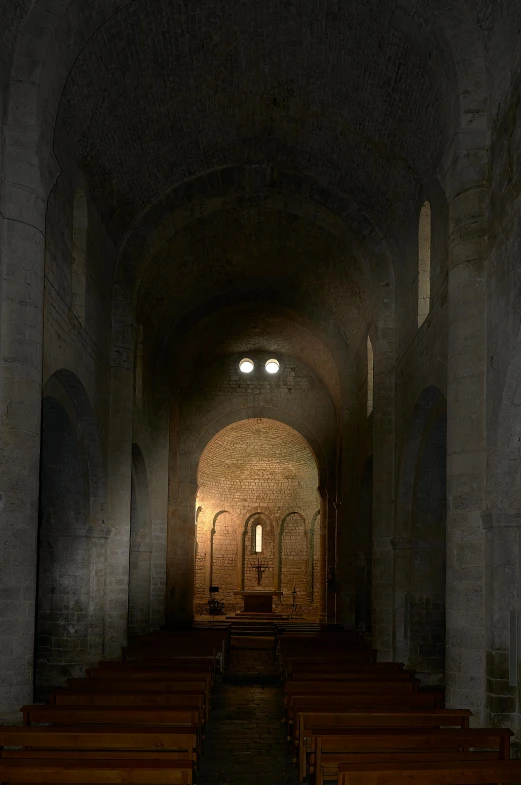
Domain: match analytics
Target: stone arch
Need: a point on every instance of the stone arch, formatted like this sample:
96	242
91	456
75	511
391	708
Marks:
140	567
253	412
72	535
420	539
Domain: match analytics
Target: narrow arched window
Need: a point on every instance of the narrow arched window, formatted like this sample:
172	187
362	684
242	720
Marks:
258	538
80	222
424	263
138	369
370	376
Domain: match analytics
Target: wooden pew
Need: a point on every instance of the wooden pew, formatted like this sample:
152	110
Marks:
443	773
347	686
147	674
110	715
412	744
337	703
100	742
301	669
124	693
370	718
98	772
157	692
108	697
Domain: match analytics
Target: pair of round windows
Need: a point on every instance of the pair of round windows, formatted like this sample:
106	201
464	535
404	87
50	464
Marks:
246	365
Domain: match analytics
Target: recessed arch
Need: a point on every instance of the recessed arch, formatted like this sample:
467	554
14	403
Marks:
72	534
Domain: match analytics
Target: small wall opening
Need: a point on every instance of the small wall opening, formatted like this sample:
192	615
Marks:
79	256
370	376
424	263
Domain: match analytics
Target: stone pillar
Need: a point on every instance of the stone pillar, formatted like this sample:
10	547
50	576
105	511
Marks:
383	501
30	172
180	568
465	186
119	494
502	596
158	515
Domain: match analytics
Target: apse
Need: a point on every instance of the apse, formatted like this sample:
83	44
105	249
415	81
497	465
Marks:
257	509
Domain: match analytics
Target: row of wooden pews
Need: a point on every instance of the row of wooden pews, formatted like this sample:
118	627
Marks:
139	720
362	722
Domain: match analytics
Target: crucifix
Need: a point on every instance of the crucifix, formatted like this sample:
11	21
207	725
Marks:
261	569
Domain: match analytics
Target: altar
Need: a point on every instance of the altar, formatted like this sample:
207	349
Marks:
258	601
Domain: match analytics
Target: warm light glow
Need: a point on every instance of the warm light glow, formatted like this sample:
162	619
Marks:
246	365
258	538
272	366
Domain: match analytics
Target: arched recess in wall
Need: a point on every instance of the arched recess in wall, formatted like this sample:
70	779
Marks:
72	536
80	224
420	541
294	556
140	566
364	549
224	555
424	263
250	557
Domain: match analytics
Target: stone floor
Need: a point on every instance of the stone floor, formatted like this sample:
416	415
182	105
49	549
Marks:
245	741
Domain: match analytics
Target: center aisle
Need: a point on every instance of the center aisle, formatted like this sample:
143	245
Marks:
245	740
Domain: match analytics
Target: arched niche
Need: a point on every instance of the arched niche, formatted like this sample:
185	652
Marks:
139	586
294	560
71	538
224	556
251	557
420	543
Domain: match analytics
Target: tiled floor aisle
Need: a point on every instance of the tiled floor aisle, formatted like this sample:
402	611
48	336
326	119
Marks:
245	739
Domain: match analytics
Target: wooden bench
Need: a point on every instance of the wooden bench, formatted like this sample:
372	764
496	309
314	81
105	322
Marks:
154	685
99	742
398	718
362	746
176	700
443	773
100	772
146	674
110	715
347	686
305	703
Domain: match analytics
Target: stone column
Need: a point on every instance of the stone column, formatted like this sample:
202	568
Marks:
180	569
158	514
30	172
383	500
502	596
466	189
119	493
